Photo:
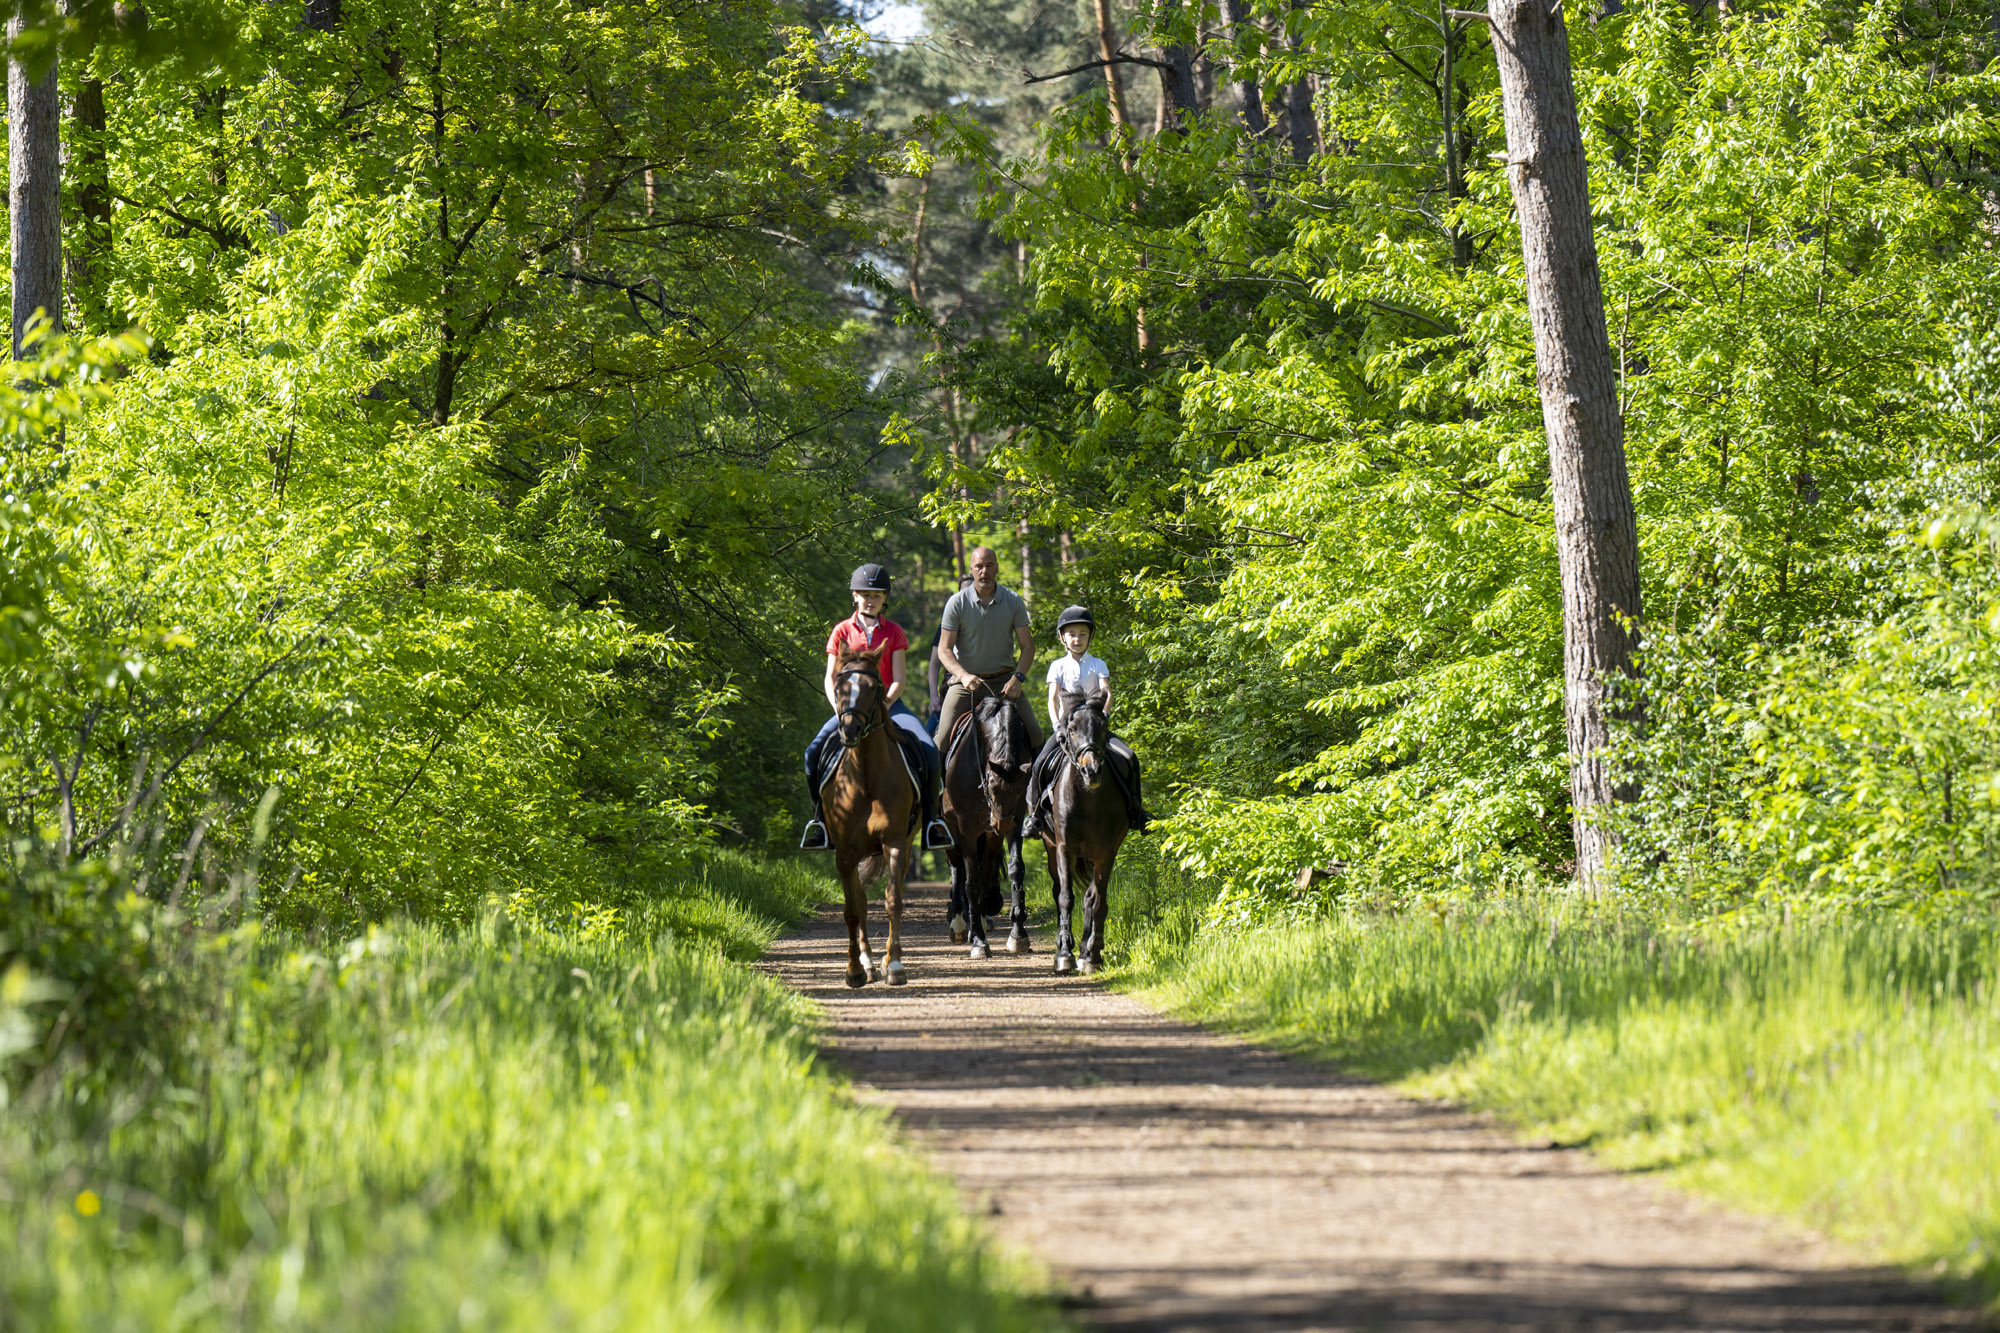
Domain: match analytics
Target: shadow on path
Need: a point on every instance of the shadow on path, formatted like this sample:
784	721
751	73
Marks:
1183	1181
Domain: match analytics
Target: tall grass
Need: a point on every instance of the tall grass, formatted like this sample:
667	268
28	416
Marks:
1845	1073
499	1128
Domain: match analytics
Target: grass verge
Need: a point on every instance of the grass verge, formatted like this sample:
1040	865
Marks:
1845	1074
495	1128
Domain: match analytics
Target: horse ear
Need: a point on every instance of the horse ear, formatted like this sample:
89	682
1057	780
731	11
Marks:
1027	769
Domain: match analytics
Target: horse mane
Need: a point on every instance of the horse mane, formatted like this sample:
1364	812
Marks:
1078	701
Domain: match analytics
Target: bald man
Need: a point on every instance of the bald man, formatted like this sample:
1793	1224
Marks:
985	637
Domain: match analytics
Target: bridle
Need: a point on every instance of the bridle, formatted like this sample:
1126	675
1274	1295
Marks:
1094	748
881	718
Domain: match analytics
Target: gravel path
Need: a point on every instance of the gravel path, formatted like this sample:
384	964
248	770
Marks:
1181	1180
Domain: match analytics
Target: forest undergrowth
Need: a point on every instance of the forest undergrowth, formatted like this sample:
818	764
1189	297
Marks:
1840	1071
500	1126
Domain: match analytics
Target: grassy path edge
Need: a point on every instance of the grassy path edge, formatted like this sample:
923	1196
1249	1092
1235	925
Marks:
1844	1078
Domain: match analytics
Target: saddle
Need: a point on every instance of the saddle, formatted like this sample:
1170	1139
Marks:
835	750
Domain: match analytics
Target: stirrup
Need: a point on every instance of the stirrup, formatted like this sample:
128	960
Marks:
937	836
814	839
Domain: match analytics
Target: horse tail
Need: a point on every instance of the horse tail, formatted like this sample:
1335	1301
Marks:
871	869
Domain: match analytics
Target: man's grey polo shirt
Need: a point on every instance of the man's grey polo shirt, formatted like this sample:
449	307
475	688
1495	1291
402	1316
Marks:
985	633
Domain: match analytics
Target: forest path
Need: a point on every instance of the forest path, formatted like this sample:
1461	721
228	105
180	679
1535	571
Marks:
1176	1179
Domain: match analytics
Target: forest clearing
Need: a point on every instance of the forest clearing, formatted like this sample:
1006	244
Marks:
1454	548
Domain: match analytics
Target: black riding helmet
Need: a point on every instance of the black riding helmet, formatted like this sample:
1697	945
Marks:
869	578
1075	615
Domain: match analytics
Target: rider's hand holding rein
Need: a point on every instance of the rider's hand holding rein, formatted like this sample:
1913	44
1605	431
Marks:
868	611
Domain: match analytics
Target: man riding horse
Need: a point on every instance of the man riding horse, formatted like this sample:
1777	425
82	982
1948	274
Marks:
984	625
865	631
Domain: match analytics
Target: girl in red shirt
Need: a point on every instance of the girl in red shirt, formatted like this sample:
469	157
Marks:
867	629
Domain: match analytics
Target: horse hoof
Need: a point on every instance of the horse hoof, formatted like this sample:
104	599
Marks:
1017	942
979	951
958	930
1088	965
958	937
1065	964
856	980
896	976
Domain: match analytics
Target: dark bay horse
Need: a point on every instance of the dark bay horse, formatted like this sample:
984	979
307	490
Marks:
1085	831
868	800
985	797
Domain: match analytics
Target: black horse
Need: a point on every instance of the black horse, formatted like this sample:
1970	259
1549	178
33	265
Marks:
985	796
1086	827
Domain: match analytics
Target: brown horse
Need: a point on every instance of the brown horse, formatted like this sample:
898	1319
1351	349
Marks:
868	800
1085	830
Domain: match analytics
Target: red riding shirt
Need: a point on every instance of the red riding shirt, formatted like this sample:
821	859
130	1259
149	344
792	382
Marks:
850	636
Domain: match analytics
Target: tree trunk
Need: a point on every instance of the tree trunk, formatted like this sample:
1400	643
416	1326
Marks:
34	191
1303	129
93	203
1249	93
1597	535
1454	171
1180	101
322	15
1107	46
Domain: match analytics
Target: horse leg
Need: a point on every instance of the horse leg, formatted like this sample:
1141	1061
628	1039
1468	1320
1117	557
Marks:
1097	909
982	874
854	908
1017	938
955	855
1065	873
892	903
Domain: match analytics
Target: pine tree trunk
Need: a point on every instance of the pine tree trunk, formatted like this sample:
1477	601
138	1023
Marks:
1107	46
34	191
1597	536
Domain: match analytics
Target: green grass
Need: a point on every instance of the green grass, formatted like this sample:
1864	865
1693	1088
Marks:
1845	1074
495	1128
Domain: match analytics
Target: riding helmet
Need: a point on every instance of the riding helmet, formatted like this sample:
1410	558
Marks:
869	578
1075	615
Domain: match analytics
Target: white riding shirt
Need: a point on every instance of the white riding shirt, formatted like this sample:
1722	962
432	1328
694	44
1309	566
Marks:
1084	675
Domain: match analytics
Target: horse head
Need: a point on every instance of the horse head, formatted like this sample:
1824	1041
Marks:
1087	732
857	684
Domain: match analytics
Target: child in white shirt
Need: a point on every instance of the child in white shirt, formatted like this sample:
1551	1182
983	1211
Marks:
1077	674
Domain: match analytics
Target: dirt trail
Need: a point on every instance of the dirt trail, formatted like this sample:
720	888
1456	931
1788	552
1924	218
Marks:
1181	1180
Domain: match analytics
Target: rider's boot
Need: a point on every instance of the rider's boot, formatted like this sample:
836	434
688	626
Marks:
815	839
1031	823
937	835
